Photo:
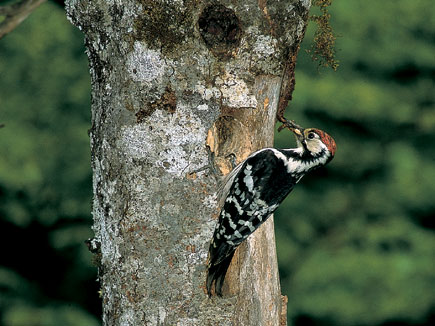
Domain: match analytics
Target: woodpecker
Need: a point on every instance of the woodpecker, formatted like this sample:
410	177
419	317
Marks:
255	188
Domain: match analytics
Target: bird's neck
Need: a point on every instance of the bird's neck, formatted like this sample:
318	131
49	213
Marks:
299	161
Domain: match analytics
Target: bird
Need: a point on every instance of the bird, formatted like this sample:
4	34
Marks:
255	188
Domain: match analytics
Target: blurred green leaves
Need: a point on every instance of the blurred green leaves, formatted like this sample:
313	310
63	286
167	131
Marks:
67	315
45	109
46	274
366	274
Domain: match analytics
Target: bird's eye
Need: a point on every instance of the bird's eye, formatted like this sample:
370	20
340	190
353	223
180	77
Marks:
311	135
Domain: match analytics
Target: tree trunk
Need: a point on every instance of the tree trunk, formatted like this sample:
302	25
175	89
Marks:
169	79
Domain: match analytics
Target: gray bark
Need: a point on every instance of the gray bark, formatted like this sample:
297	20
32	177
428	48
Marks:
170	78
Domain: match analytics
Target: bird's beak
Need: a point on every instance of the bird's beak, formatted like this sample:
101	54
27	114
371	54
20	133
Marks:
297	130
299	133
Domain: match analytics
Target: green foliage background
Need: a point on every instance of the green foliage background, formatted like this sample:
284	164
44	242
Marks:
356	241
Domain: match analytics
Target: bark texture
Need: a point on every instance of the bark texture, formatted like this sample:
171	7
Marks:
170	78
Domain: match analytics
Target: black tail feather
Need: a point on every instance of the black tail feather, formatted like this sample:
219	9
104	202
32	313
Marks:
217	270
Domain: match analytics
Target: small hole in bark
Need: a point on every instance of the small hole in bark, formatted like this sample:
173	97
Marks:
220	29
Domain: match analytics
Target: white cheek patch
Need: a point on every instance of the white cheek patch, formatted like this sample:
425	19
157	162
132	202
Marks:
314	147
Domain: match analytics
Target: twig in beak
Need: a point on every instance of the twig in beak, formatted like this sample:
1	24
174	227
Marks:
291	125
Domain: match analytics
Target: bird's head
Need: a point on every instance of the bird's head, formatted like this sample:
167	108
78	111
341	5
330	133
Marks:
314	142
